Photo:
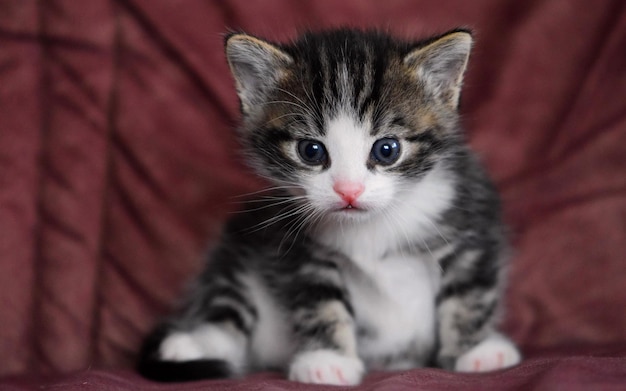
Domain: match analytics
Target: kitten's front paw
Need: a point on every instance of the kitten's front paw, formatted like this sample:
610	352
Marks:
495	352
326	367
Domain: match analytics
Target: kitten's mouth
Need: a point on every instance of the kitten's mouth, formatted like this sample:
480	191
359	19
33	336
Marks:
350	209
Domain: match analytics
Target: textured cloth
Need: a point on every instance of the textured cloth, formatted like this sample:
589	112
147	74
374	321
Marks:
118	165
572	373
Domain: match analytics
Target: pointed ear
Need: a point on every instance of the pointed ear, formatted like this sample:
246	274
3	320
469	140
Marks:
441	64
256	65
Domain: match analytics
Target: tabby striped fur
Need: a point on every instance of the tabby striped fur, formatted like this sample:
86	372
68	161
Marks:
406	272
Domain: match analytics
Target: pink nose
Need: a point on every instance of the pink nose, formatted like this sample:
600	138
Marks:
348	191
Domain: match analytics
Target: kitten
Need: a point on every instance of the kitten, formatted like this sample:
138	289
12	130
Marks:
380	247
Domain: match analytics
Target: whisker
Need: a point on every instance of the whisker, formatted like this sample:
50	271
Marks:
295	227
286	102
271	205
293	96
283	214
267	190
283	116
432	223
316	105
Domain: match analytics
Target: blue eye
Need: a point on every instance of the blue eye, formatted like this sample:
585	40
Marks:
386	151
312	152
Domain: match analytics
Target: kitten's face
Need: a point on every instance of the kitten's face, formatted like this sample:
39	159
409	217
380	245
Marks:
346	171
349	122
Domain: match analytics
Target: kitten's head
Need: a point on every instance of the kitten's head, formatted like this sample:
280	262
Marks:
350	121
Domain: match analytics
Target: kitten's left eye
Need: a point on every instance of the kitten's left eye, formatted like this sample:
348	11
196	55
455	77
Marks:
312	152
386	151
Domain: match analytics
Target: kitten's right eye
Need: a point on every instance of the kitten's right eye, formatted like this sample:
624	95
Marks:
312	152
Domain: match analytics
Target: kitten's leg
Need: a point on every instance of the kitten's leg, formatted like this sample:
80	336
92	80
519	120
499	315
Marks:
215	326
467	308
324	326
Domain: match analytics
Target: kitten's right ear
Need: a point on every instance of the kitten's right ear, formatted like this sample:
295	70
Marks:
257	66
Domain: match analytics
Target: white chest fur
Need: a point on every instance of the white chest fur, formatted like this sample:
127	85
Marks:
394	304
393	294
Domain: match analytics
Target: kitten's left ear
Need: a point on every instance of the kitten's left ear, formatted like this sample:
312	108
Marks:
441	64
257	66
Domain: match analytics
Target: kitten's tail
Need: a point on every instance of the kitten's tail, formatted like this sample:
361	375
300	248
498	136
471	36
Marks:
152	367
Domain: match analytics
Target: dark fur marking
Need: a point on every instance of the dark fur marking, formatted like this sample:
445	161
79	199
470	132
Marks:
224	313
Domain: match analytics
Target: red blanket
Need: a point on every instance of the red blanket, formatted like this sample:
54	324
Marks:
118	164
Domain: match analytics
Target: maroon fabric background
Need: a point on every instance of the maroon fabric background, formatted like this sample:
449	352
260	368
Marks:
117	166
572	373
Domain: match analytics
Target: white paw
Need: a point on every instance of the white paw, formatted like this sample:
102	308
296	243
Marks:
495	352
180	346
326	367
204	342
